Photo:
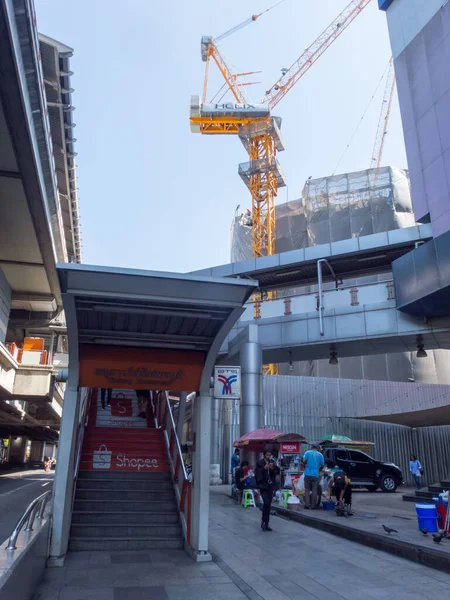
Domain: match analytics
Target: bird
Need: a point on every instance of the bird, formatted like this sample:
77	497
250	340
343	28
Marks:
389	530
437	539
424	531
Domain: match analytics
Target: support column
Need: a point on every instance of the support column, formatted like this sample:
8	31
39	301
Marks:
252	415
37	451
200	472
17	449
63	486
214	478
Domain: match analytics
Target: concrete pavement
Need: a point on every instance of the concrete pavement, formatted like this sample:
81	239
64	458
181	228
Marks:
17	490
292	562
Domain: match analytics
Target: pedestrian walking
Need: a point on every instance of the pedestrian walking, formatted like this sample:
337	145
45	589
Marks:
265	480
416	470
143	398
106	392
314	463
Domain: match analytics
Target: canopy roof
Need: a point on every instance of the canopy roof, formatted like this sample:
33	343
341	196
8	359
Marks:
267	436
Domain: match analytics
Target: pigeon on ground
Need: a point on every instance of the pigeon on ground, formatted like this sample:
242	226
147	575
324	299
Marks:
437	539
389	530
424	531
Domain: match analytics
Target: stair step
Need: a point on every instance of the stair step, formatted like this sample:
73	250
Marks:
424	493
126	530
436	489
134	465
445	484
110	504
121	517
413	498
128	484
123	494
102	543
124	475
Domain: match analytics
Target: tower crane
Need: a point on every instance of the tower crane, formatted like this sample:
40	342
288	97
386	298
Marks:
255	126
385	114
257	129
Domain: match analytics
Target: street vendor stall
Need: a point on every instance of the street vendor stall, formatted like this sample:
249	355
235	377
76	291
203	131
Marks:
281	444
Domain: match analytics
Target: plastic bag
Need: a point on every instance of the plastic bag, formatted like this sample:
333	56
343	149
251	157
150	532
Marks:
288	481
301	483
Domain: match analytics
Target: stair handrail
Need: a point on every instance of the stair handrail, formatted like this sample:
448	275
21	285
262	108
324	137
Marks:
34	511
163	417
84	414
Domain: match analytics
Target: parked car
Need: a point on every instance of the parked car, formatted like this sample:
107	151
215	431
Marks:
363	470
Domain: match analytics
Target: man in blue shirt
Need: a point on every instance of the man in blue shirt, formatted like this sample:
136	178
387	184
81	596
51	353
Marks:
234	463
314	463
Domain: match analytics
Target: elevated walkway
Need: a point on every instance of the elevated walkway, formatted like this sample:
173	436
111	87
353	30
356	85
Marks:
354	321
354	257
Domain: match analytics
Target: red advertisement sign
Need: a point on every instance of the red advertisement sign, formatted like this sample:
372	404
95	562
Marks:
290	448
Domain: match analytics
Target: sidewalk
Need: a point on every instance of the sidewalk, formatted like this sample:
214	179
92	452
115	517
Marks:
292	562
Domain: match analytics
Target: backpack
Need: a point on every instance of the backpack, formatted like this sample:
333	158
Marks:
339	479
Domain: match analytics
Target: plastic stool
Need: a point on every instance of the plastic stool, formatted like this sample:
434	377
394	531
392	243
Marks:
248	498
284	495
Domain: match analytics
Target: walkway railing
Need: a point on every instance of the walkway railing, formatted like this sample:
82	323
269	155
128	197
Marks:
89	395
163	417
34	511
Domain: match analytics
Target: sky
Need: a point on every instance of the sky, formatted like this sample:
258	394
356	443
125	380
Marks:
152	194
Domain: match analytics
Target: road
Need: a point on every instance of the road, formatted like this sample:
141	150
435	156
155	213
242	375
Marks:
17	490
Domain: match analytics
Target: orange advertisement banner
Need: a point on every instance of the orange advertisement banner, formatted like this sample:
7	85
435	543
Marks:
140	368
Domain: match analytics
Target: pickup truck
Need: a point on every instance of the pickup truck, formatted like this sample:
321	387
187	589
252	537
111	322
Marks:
363	470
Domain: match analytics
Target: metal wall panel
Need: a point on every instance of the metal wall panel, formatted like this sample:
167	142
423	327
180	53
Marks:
292	404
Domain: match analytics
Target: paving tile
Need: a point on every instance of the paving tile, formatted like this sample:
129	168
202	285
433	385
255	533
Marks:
140	593
81	593
130	557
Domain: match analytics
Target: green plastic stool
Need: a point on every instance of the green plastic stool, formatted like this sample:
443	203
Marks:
284	495
248	498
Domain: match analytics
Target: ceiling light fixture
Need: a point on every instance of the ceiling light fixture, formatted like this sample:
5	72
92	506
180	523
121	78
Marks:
421	351
333	359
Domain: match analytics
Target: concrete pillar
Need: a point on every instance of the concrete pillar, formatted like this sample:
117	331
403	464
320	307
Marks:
200	472
252	415
214	477
63	486
37	450
17	449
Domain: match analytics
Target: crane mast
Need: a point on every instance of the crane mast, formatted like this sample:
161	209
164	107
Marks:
385	114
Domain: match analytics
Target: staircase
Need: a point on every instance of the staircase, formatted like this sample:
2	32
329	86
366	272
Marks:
124	497
425	495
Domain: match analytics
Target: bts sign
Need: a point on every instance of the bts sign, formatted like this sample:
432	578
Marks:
227	382
290	448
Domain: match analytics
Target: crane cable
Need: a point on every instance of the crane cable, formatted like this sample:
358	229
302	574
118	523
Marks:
245	23
362	118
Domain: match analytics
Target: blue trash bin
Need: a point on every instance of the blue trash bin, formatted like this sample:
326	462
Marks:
427	517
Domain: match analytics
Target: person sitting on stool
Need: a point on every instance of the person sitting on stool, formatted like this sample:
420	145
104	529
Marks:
241	484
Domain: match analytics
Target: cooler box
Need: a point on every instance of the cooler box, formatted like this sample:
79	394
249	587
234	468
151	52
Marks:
427	517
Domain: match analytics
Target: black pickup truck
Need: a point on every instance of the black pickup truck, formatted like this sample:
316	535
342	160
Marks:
363	470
